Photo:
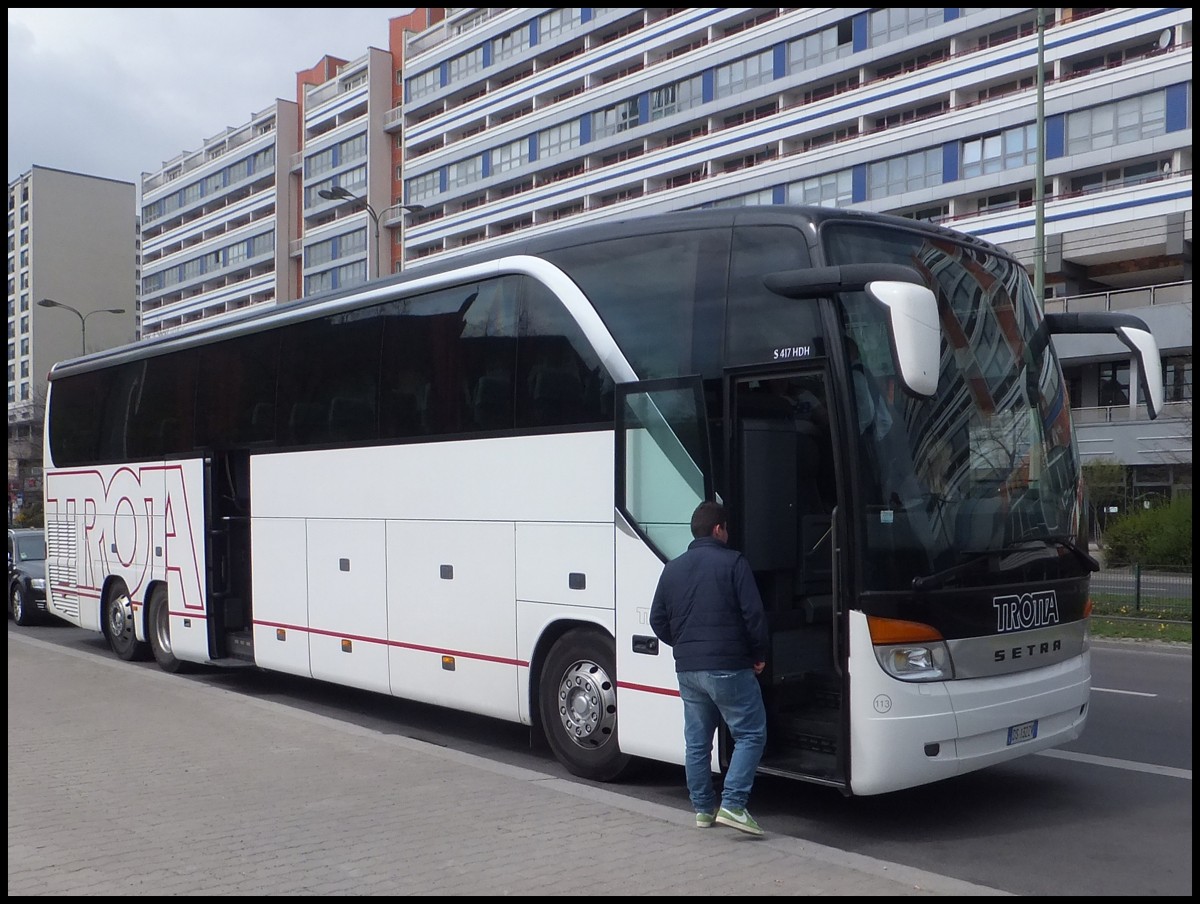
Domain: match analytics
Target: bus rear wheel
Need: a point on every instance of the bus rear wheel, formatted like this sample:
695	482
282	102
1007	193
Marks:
118	625
159	623
578	705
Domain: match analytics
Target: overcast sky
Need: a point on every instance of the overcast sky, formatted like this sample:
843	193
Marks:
118	92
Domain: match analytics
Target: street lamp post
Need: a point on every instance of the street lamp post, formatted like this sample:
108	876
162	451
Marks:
1039	188
337	193
51	303
408	208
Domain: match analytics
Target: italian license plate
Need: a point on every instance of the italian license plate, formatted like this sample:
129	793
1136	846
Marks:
1026	731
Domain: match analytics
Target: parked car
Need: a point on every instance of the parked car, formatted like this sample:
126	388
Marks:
26	575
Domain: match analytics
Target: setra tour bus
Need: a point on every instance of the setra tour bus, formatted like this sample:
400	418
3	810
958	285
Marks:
459	486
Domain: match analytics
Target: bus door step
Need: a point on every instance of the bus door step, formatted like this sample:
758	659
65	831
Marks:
240	645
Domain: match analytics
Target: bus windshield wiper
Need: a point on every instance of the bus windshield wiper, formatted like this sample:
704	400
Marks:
976	559
939	578
1083	555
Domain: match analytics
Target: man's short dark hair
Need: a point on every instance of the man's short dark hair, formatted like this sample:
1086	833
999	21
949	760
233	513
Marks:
706	517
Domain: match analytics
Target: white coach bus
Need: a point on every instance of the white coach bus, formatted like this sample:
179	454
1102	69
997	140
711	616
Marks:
460	485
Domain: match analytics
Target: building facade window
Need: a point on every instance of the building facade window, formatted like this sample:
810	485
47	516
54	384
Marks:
558	21
465	65
510	156
1114	383
820	47
425	83
741	75
1000	151
1131	119
614	119
827	190
511	44
420	188
894	22
1177	378
557	139
903	174
676	98
465	172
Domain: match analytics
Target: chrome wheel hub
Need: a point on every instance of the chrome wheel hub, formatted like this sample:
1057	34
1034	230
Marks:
587	704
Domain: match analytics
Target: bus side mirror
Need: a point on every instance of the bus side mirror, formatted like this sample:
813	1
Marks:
914	330
1133	333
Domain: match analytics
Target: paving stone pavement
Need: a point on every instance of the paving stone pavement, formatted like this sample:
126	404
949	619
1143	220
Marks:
130	781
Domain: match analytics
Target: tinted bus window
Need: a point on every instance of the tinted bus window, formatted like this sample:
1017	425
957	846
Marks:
449	359
77	405
489	354
560	380
764	326
162	410
119	403
650	290
329	379
235	400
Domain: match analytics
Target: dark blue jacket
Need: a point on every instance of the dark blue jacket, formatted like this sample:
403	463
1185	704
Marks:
707	607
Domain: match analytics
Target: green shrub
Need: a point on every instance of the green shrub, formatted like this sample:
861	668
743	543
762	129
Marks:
29	515
1159	536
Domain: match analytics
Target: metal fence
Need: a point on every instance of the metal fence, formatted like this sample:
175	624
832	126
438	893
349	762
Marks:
1143	591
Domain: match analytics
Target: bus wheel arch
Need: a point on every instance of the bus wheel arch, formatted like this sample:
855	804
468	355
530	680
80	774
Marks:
577	703
158	629
117	620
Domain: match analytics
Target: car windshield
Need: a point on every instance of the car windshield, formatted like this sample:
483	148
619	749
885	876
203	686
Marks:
31	547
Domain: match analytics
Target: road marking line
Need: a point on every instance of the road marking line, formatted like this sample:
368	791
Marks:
1117	764
1113	690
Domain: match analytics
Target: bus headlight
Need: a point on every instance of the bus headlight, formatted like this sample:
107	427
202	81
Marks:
37	583
923	662
910	651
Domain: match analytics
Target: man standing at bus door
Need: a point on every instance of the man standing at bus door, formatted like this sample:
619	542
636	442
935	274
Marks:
707	607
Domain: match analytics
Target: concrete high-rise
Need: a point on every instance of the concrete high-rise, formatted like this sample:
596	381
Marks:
72	241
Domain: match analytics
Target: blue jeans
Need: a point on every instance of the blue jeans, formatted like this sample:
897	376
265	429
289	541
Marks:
709	696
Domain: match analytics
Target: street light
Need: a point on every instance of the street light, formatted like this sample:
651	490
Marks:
410	208
1039	188
337	193
51	303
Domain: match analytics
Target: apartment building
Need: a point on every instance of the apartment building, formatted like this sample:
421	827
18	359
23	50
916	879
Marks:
242	221
485	125
216	223
518	121
72	246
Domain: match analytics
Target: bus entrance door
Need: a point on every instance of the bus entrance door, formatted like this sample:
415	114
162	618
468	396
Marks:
227	516
783	488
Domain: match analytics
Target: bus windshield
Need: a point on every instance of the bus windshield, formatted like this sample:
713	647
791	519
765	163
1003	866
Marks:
988	464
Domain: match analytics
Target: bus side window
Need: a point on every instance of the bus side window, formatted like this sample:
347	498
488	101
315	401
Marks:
559	377
488	350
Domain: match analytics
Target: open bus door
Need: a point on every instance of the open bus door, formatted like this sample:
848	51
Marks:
663	472
783	488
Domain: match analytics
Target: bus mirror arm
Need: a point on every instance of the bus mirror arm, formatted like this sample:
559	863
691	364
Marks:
1134	335
914	325
815	282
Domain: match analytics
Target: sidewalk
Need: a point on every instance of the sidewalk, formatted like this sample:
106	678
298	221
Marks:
130	781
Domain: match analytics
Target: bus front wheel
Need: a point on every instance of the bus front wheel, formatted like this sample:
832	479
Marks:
578	705
159	621
118	625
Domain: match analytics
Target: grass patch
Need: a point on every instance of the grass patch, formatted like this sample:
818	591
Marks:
1140	629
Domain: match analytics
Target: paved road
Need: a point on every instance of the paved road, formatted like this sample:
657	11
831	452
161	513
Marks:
128	781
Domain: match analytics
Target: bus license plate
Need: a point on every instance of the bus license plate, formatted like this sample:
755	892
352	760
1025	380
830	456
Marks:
1026	731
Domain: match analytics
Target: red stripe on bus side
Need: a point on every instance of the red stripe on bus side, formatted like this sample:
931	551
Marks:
483	657
647	689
